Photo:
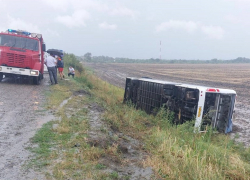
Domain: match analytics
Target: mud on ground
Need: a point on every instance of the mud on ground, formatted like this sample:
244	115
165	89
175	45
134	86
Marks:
124	154
22	112
229	76
129	162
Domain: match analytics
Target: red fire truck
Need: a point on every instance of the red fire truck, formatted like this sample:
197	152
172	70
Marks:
22	55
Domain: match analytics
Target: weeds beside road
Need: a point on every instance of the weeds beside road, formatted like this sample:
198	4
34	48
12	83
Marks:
96	136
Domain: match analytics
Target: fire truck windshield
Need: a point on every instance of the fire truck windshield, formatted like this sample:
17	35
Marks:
18	42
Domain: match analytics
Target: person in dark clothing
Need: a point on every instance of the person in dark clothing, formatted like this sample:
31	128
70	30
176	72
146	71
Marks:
60	66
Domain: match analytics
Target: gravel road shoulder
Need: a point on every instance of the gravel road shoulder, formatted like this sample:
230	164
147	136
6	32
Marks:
22	112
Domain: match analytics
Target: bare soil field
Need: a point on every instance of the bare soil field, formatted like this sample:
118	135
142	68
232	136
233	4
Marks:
229	76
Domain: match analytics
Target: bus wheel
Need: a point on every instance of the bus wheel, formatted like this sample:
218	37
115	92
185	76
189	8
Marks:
37	80
1	77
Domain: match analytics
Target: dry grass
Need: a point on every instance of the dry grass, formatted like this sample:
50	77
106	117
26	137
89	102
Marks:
173	152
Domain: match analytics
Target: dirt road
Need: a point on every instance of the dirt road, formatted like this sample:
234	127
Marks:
234	76
21	114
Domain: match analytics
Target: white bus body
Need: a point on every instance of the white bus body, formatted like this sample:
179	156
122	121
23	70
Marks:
208	106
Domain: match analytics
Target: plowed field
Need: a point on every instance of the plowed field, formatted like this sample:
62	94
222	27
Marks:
229	76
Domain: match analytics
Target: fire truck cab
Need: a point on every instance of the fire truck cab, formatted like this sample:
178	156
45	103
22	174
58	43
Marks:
22	55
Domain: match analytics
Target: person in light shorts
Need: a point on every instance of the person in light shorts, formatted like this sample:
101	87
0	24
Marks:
71	71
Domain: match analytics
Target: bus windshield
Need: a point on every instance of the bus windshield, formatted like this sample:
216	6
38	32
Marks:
18	42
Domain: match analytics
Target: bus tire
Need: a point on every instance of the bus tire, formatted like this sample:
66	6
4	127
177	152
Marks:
1	77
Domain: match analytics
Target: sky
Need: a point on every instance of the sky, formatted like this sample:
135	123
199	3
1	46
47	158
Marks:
138	29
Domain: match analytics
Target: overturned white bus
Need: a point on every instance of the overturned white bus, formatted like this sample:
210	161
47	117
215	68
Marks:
208	106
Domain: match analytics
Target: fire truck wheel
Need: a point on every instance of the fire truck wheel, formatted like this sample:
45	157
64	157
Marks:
1	77
37	80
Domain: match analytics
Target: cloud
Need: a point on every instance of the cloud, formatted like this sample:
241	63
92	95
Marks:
77	19
18	24
238	19
123	11
76	4
89	4
113	10
58	4
77	12
52	33
117	41
233	19
188	26
105	25
240	1
214	32
3	4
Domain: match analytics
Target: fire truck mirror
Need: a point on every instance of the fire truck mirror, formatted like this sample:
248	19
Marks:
44	47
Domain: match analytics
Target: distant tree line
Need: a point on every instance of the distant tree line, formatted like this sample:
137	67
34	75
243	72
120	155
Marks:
106	59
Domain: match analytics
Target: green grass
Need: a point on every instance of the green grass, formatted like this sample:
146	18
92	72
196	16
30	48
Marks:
174	152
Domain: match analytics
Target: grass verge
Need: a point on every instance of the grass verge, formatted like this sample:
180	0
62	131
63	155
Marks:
174	152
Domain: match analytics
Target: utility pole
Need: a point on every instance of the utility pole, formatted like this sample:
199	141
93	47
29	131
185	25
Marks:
160	50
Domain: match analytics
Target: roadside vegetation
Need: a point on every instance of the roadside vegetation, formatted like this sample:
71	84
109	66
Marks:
65	151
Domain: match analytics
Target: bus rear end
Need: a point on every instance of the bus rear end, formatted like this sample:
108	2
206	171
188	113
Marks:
219	109
208	106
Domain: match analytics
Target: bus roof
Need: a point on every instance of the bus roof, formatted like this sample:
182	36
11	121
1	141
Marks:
201	88
208	89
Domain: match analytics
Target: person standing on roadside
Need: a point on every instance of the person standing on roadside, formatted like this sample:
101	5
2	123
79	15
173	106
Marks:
71	71
51	62
60	66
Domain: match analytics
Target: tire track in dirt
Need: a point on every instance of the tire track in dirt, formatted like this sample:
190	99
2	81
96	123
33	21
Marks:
116	74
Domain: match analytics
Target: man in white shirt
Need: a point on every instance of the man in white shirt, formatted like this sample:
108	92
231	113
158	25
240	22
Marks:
51	62
71	71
